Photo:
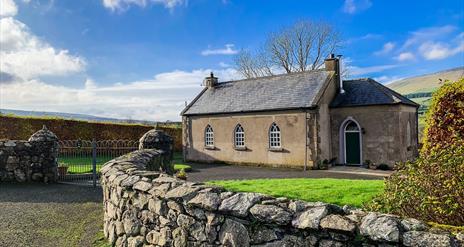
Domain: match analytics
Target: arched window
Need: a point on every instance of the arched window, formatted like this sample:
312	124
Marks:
352	127
274	136
239	136
209	136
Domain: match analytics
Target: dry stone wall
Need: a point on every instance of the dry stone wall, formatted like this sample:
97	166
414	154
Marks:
150	208
32	160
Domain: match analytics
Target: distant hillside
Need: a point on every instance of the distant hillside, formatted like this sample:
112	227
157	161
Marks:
425	83
72	116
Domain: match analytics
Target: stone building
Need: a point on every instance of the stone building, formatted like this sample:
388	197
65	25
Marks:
298	120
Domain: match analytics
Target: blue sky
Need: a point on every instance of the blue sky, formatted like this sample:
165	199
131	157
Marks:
142	59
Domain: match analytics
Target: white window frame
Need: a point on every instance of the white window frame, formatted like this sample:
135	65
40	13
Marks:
275	137
239	136
209	136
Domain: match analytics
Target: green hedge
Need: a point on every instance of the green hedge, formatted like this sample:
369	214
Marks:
21	128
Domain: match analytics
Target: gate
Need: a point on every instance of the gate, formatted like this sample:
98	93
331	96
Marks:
80	161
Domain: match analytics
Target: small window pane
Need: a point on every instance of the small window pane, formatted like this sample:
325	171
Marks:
352	126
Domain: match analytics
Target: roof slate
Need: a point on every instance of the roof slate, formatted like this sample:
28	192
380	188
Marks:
296	90
367	91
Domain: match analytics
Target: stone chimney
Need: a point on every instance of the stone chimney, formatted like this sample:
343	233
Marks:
210	81
333	63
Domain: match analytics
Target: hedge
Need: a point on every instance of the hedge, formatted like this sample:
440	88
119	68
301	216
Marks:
21	128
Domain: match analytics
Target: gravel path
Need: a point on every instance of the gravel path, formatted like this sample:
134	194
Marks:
208	172
49	215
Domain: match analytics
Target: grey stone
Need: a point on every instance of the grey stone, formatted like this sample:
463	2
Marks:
261	234
287	241
157	206
425	239
413	225
209	201
271	214
239	203
130	181
179	236
330	243
197	231
20	176
131	223
10	143
135	241
310	218
234	234
153	237
380	227
185	221
181	192
338	223
142	186
119	226
175	206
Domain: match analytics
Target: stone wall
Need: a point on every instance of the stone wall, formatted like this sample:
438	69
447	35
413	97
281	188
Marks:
150	208
32	160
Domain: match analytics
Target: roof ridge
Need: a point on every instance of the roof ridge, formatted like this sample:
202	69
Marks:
397	97
272	76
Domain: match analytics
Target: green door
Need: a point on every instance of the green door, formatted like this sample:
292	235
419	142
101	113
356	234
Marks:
353	154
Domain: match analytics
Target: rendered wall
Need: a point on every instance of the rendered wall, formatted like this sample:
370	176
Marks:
384	127
256	127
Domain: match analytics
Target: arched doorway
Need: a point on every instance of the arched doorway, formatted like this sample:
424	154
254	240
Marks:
351	142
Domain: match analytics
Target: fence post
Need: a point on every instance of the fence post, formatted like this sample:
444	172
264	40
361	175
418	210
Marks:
94	162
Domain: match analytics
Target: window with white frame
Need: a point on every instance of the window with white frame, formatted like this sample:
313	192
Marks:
209	136
239	136
274	136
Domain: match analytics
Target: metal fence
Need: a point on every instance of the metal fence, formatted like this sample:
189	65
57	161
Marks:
80	161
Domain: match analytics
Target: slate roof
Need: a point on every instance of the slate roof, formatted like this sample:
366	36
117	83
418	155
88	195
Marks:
367	91
289	91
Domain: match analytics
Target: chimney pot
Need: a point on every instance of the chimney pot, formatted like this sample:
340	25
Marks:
210	81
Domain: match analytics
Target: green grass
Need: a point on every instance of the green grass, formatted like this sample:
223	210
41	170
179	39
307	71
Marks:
336	191
81	165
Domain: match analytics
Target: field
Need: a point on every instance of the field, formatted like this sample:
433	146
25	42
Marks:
81	165
336	191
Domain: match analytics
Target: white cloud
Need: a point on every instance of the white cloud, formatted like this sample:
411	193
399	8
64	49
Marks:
428	34
387	48
435	51
355	6
8	8
227	50
160	98
26	56
387	79
354	70
405	56
224	65
122	5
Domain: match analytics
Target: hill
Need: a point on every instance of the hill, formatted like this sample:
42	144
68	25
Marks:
425	83
72	116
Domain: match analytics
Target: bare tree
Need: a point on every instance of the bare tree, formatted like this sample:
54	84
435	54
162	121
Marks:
300	47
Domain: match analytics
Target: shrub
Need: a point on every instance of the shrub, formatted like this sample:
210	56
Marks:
445	119
431	188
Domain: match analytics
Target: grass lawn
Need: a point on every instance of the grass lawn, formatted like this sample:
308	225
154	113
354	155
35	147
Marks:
80	165
336	191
